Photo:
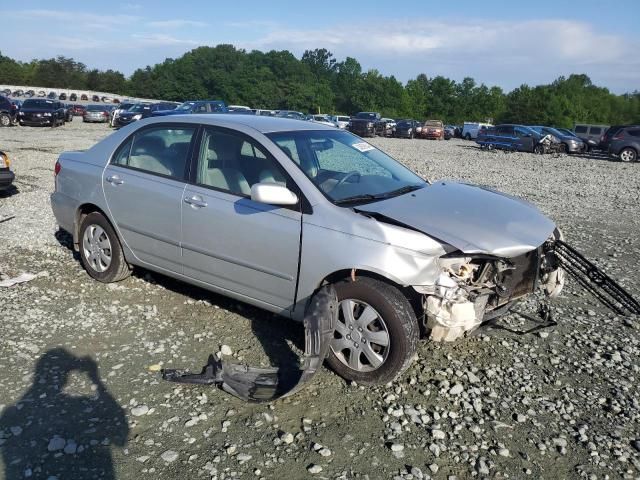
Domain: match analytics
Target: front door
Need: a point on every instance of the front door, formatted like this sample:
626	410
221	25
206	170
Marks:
230	241
143	186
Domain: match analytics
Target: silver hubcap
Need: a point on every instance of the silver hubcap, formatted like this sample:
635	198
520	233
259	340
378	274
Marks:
626	156
5	120
361	340
96	248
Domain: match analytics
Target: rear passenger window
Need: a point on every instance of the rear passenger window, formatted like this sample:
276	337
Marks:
162	151
595	131
634	133
581	129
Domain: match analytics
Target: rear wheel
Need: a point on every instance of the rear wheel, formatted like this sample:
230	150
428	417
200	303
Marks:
467	136
628	155
377	332
100	250
538	149
5	120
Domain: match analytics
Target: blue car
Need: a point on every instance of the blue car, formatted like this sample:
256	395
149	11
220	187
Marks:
195	106
516	138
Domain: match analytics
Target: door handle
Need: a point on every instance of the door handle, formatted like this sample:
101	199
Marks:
115	180
195	201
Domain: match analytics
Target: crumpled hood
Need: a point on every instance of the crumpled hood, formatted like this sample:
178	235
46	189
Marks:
470	218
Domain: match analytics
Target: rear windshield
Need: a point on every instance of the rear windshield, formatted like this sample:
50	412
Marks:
581	129
95	108
596	130
39	103
367	115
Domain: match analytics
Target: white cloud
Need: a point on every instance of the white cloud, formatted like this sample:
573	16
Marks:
77	19
177	23
159	39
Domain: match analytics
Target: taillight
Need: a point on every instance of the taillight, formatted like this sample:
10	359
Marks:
105	114
57	168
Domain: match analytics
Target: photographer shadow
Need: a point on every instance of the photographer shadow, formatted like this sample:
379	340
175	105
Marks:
55	432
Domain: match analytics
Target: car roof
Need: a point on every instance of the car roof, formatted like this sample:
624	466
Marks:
261	123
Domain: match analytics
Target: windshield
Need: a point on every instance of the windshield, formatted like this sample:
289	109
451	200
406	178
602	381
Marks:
38	103
344	167
186	106
138	108
95	108
555	132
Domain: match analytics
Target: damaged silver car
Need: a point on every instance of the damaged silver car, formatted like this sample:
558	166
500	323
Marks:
271	210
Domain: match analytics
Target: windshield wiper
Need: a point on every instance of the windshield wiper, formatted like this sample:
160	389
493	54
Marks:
400	191
369	196
356	198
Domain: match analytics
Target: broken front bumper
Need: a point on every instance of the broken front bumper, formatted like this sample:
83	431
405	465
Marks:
268	384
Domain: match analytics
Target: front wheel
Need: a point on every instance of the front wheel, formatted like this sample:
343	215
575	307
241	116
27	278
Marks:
467	137
377	332
100	250
5	120
628	155
538	149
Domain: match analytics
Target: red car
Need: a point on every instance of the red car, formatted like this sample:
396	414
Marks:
433	129
78	110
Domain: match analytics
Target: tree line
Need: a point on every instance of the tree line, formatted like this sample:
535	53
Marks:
319	83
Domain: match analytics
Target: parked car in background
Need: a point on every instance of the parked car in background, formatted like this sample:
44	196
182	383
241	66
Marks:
68	112
519	138
568	143
8	112
239	109
84	98
6	175
41	112
6	92
18	93
52	95
95	98
96	114
78	110
41	94
263	112
194	106
625	144
433	130
291	114
612	131
340	121
407	128
589	132
29	93
364	124
116	112
62	96
470	129
73	97
235	217
140	111
322	119
386	127
449	132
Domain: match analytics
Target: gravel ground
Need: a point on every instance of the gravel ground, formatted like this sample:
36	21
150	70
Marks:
80	393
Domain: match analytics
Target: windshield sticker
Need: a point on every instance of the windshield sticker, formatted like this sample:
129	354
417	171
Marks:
363	147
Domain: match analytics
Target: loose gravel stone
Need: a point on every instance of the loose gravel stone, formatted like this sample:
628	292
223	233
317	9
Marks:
169	456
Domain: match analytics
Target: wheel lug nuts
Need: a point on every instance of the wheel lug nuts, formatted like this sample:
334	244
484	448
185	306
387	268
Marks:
359	329
356	345
350	327
348	337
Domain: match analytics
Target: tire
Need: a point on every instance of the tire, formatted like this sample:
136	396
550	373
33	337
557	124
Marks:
5	120
97	233
538	149
411	135
628	154
564	148
467	136
394	323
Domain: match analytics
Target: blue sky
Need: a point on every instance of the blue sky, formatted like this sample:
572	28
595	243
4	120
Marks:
504	43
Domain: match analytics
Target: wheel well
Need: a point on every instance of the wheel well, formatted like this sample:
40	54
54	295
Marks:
414	298
82	212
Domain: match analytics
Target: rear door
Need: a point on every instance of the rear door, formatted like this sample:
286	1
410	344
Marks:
230	241
143	186
523	139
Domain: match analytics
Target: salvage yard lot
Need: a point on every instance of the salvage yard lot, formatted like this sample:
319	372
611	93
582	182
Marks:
563	403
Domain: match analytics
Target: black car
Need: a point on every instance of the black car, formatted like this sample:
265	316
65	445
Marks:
73	97
8	112
40	111
95	98
6	175
625	144
52	95
141	110
407	128
364	124
62	96
68	112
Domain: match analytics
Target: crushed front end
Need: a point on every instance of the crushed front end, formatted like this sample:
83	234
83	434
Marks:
472	289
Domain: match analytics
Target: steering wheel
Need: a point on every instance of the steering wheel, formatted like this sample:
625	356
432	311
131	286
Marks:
347	177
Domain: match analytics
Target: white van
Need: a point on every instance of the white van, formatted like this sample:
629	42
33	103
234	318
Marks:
470	129
341	121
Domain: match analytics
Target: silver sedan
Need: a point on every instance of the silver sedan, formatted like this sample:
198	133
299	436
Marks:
267	210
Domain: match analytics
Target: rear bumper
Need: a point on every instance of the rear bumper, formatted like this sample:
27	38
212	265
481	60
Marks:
64	208
6	178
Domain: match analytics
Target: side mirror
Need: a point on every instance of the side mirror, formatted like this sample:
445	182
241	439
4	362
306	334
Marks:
273	194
